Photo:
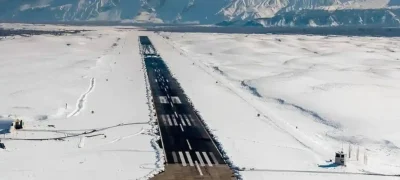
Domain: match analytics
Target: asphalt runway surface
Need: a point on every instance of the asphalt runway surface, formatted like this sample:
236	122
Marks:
184	137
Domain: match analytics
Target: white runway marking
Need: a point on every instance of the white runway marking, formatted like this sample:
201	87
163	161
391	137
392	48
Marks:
198	168
169	120
189	158
176	100
182	158
207	159
183	121
187	120
174	156
175	122
187	141
163	119
200	159
163	100
181	127
213	158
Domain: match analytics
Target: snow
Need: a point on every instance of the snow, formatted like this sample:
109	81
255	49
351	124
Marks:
317	95
366	4
88	102
146	17
87	85
250	9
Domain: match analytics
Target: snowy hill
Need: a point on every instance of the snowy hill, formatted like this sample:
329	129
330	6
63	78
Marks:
246	9
312	18
172	11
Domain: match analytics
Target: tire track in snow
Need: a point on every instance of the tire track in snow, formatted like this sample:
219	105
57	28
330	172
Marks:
126	137
82	99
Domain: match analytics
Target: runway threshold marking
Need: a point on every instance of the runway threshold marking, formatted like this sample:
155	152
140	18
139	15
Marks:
182	158
175	122
207	159
187	120
189	158
169	120
183	120
200	159
163	119
213	158
174	157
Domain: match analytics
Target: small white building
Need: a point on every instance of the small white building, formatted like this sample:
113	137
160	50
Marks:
340	158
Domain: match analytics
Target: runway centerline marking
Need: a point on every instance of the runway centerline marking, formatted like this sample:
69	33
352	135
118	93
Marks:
187	141
198	168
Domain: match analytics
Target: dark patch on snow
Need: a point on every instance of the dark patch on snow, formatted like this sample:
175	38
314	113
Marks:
21	107
27	32
331	165
390	144
389	50
42	117
252	89
216	68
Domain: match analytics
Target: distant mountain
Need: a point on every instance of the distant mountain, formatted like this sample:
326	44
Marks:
257	12
377	17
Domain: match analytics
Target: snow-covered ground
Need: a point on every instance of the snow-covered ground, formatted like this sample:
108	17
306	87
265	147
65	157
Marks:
315	95
45	82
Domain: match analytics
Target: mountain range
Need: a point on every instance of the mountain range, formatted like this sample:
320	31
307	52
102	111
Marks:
243	12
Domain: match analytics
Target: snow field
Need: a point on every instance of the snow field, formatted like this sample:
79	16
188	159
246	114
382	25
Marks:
91	74
316	93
